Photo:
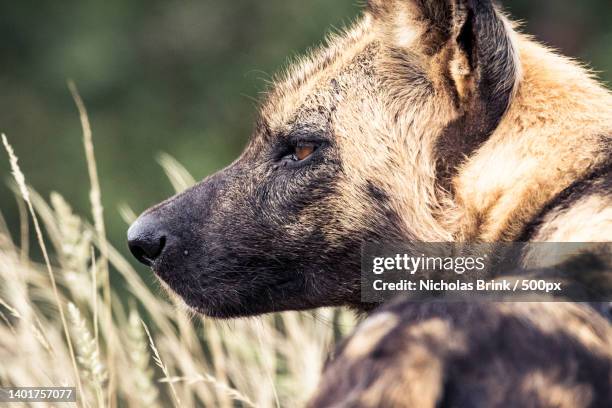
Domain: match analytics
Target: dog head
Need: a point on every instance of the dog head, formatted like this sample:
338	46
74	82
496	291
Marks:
352	144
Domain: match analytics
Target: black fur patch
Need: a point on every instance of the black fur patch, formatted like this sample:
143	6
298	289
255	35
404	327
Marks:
376	193
386	218
458	141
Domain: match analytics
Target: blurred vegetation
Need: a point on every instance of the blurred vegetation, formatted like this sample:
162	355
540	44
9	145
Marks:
180	77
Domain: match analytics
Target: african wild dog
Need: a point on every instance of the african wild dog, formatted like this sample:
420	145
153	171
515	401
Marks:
426	121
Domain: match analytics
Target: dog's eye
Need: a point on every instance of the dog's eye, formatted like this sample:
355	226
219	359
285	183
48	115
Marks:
300	152
303	151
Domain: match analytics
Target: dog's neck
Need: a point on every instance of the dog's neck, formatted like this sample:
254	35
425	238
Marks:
551	135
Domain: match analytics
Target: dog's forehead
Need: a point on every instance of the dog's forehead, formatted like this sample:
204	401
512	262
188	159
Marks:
308	111
306	93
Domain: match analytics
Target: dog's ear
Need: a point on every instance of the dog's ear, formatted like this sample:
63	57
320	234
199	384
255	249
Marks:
466	47
465	40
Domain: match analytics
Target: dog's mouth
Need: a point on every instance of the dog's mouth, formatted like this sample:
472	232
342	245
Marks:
222	297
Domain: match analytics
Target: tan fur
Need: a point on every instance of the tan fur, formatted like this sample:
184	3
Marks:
588	220
422	363
423	368
369	333
561	317
551	392
552	135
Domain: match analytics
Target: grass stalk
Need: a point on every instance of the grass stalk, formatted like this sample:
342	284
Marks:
94	296
98	217
24	229
20	179
160	364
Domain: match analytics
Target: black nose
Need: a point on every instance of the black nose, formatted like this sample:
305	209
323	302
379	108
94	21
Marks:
146	239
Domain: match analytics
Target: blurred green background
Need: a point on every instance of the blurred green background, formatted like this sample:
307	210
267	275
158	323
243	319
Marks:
180	77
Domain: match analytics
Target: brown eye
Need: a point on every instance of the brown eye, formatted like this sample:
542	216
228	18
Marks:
298	154
303	151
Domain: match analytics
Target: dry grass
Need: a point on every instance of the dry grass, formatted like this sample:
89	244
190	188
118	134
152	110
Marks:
177	358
